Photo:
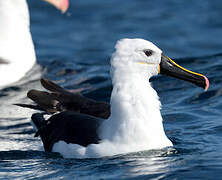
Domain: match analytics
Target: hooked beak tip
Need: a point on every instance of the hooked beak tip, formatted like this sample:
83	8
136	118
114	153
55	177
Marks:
62	5
207	83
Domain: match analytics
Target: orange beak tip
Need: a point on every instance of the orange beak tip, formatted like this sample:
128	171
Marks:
207	83
64	5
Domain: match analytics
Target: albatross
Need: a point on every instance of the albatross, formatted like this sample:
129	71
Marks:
83	128
17	54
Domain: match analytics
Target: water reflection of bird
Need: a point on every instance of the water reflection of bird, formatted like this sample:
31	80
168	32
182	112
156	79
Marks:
132	122
17	54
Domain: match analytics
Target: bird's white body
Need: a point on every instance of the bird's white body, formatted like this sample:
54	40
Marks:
135	107
135	123
16	45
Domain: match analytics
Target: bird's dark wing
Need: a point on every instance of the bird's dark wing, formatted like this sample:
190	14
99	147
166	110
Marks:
59	99
67	126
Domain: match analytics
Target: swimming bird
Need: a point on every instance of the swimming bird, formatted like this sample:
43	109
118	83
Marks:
132	122
17	54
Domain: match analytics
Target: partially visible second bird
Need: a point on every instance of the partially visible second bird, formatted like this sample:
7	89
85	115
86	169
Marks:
17	53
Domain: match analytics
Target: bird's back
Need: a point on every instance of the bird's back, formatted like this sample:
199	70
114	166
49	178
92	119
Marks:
68	126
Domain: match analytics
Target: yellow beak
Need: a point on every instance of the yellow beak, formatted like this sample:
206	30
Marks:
170	68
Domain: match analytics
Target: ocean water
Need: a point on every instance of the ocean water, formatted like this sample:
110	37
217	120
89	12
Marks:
74	49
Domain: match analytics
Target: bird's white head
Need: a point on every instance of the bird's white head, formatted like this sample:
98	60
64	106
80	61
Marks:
138	58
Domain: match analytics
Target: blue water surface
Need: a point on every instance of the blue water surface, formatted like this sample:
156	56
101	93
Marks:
74	50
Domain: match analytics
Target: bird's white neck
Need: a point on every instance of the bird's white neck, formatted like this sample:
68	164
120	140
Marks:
16	45
135	113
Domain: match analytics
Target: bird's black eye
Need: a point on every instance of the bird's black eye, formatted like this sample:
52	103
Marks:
148	52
